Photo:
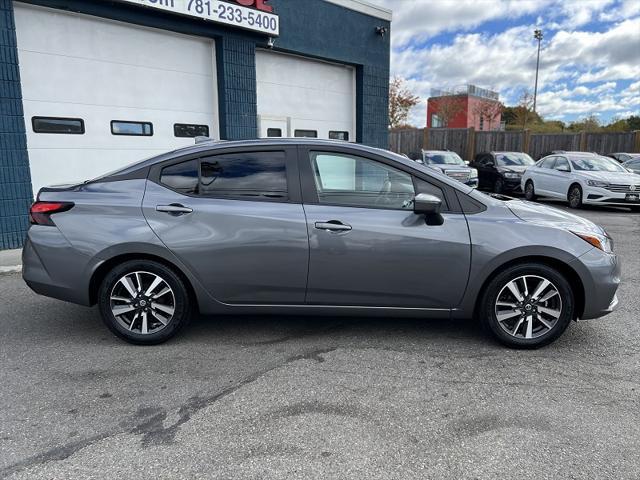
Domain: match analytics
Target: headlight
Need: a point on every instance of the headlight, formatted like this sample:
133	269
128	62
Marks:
602	241
473	173
597	183
511	175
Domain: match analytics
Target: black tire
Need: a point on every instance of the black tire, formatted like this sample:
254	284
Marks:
498	186
635	208
574	197
179	302
488	307
529	191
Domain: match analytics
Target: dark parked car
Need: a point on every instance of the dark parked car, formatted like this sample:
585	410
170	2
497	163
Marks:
624	157
304	227
451	165
501	172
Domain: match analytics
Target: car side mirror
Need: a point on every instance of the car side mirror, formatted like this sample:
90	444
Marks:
564	169
429	206
466	162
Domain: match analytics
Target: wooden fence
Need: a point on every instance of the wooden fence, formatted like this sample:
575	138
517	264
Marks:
467	142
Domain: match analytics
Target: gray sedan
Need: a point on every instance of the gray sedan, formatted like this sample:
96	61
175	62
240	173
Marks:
305	227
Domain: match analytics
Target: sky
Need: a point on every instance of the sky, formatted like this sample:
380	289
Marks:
589	61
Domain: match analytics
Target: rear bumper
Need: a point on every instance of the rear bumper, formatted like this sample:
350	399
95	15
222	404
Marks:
600	273
61	275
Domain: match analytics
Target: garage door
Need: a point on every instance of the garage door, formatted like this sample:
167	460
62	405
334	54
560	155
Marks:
103	94
302	97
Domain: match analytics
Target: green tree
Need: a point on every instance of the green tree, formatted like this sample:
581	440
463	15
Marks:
634	122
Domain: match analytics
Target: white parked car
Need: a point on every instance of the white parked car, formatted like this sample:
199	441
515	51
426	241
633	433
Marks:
581	178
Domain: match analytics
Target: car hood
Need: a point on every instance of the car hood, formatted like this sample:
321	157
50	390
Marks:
552	217
612	177
514	168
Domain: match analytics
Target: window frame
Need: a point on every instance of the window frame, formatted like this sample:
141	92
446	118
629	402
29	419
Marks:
176	125
294	194
43	117
450	205
142	122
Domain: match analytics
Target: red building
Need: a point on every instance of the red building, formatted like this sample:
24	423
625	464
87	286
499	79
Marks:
468	107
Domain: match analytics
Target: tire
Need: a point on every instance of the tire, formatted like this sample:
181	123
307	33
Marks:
574	197
635	208
529	191
149	315
512	329
498	186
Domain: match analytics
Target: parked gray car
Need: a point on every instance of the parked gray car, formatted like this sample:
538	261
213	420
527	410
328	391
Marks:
305	226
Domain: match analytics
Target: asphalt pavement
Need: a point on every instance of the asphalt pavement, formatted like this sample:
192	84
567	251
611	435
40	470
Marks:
320	398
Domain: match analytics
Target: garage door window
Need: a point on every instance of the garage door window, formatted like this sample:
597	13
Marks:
359	182
306	133
246	175
72	126
336	135
274	132
136	129
186	130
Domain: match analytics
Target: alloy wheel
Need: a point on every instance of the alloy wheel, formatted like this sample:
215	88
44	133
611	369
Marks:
528	307
142	302
528	190
575	197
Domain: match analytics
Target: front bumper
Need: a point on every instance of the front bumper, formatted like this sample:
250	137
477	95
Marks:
512	184
602	196
600	273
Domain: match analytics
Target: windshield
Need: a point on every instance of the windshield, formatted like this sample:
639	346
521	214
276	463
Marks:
444	158
596	164
514	159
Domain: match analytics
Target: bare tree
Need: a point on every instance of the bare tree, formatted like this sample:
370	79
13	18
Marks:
488	111
524	109
401	101
449	107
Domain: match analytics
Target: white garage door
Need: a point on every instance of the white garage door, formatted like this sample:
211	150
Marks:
81	67
302	97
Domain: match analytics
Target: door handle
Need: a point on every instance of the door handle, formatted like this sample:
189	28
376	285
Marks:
174	209
333	226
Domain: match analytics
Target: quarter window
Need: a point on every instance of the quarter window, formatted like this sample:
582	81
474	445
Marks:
561	164
306	133
335	135
187	130
548	162
359	182
138	129
247	174
182	177
71	126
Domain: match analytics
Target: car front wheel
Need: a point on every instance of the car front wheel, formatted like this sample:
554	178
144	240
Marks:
575	196
144	302
498	186
529	191
527	306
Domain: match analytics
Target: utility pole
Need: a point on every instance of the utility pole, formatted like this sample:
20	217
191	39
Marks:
537	34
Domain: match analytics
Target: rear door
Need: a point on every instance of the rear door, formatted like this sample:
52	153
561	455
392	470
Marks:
367	247
234	217
541	175
560	178
486	171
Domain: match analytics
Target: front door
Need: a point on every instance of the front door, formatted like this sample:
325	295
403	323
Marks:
367	247
236	220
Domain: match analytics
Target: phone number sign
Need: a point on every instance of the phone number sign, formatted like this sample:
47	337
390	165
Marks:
234	14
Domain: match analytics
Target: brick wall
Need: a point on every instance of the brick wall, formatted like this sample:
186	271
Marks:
15	179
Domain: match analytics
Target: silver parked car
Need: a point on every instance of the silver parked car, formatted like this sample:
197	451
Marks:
304	226
582	178
451	165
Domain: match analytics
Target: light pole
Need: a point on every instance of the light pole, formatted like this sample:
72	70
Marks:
537	34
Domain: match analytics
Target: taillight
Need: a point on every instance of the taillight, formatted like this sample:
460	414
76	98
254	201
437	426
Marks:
40	212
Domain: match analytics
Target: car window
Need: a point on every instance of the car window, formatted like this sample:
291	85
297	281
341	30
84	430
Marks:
561	164
182	177
511	159
547	162
353	181
244	174
443	158
596	164
633	164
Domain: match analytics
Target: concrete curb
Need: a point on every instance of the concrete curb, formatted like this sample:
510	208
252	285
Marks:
10	261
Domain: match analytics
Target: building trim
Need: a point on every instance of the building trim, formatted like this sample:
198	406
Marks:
366	8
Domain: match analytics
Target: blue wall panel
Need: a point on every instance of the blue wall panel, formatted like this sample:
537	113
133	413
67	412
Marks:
15	178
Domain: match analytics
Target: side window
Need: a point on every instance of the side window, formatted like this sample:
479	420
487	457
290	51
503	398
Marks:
423	186
182	177
352	181
561	164
548	162
244	174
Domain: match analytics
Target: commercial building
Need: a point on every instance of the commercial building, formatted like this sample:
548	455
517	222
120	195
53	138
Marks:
465	107
89	86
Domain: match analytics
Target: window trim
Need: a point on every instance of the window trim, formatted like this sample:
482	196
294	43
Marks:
132	134
42	117
176	125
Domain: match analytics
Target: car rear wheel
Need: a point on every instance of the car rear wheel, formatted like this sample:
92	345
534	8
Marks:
527	306
529	191
498	186
144	302
575	196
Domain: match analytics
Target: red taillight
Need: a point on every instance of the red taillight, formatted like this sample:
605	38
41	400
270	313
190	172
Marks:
40	212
